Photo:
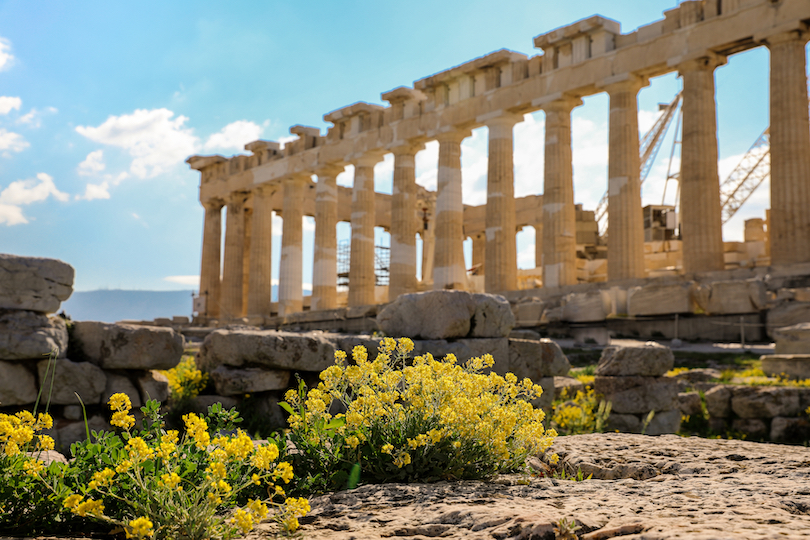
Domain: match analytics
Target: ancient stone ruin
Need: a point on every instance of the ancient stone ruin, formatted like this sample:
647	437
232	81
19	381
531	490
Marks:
584	58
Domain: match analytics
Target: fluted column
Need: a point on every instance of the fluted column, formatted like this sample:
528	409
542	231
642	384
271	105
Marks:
559	231
701	220
290	295
501	252
210	267
246	250
361	266
449	270
626	223
479	252
324	271
538	244
790	149
403	223
261	248
233	271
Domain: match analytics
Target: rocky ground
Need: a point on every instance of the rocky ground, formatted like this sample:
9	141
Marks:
642	488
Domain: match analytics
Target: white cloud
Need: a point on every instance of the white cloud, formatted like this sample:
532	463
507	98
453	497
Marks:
33	118
25	192
96	191
154	139
6	58
92	164
7	103
184	280
12	142
234	136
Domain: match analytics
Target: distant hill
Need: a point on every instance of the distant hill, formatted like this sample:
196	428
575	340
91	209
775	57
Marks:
117	305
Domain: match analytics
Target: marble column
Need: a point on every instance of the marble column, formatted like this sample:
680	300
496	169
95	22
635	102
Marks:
790	149
449	269
404	223
211	263
626	223
233	271
290	294
324	271
559	232
479	252
538	244
261	249
701	220
362	279
246	250
501	251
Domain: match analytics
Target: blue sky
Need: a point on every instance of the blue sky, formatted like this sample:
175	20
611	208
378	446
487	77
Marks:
101	103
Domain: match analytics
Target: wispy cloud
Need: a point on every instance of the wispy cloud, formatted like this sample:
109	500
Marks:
6	58
234	136
11	142
184	280
33	118
96	191
8	103
24	192
92	164
155	140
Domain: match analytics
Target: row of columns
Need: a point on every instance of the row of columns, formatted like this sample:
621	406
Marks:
556	235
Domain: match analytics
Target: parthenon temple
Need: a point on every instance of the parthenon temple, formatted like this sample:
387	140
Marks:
587	57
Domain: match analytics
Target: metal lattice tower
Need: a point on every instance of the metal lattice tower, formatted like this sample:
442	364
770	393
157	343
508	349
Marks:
382	264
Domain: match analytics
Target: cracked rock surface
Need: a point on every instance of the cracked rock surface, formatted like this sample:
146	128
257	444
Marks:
643	487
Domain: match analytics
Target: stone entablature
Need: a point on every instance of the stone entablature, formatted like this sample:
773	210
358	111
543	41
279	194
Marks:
581	59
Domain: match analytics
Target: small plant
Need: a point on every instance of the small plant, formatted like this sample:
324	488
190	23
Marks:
566	530
579	477
582	414
430	420
185	380
676	371
646	423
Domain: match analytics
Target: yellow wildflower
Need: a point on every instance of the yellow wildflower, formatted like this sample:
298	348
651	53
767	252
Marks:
139	528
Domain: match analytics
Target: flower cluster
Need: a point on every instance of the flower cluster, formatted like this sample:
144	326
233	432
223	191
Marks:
426	418
167	486
185	380
585	413
17	431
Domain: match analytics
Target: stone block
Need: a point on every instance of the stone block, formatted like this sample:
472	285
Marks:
765	401
447	315
34	283
312	351
117	383
153	385
528	313
689	403
787	314
83	378
27	335
651	360
597	335
659	299
567	387
583	307
791	430
792	339
464	349
17	385
552	315
731	297
234	382
638	395
623	423
125	346
718	401
537	359
664	422
267	407
754	428
794	366
547	397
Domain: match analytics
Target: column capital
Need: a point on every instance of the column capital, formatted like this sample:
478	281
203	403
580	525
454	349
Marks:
367	160
238	197
624	82
331	170
267	188
707	62
561	103
410	148
213	204
453	135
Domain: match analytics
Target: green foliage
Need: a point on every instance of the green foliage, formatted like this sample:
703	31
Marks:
426	421
585	413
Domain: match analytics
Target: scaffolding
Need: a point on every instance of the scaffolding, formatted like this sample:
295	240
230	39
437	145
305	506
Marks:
382	265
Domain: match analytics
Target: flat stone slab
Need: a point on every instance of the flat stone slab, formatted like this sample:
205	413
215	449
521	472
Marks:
34	283
651	360
793	339
795	366
536	359
234	382
128	346
584	307
447	315
28	335
660	299
239	346
18	386
650	488
83	378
